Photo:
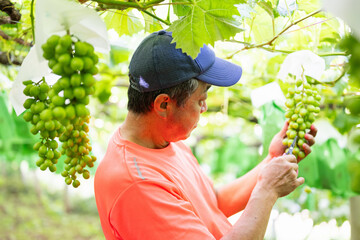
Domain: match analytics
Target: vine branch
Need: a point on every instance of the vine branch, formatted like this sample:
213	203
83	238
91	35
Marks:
7	59
156	17
17	40
270	42
117	4
8	7
32	19
333	82
325	54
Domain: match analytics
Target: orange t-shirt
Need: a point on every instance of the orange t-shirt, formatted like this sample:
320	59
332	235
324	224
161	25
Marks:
155	194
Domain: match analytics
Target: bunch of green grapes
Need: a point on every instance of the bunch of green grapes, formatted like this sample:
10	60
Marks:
303	103
49	127
75	61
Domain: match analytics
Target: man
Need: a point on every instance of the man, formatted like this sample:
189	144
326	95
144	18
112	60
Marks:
150	186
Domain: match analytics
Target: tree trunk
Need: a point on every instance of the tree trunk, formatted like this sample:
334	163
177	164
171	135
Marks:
355	217
67	206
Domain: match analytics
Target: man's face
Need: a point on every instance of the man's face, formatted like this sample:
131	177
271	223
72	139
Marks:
183	120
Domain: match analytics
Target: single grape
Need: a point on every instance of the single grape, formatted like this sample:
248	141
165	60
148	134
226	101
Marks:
77	64
81	49
76	183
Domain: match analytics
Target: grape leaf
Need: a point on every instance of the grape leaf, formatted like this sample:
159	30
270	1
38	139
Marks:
151	24
309	5
123	22
262	27
206	22
245	10
345	122
267	7
181	9
286	7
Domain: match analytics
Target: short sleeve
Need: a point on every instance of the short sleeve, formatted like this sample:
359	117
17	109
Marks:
155	210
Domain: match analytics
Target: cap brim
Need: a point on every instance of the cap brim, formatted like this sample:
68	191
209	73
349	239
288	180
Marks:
221	73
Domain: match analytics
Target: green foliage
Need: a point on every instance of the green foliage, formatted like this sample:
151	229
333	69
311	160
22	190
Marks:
345	122
204	23
327	168
271	121
262	29
268	7
103	89
181	7
151	24
27	215
233	151
309	5
123	22
354	170
119	55
245	11
15	139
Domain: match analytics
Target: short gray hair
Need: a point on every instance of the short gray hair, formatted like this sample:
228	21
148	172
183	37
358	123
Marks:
143	102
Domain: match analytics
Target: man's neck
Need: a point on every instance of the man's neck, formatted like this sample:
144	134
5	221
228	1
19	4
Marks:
143	130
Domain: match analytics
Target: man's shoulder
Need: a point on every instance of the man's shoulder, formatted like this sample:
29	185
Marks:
125	162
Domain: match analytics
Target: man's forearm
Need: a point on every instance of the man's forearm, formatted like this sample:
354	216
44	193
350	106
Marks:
253	221
234	196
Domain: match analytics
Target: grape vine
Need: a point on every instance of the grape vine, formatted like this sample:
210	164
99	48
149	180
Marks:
59	111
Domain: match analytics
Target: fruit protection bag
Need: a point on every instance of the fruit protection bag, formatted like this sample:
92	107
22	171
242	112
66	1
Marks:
57	17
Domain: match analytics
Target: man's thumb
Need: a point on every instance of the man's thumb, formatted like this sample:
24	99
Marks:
284	129
300	181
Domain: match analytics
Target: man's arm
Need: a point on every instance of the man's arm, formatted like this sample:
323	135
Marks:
253	222
276	179
233	197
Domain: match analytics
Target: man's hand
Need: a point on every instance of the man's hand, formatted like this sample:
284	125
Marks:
276	178
277	148
279	176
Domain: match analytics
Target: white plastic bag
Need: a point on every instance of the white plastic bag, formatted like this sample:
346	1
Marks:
55	17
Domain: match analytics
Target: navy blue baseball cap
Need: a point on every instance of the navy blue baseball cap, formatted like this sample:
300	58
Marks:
157	64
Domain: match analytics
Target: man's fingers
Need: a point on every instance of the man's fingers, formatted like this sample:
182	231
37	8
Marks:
300	181
310	139
290	158
307	149
284	129
296	167
313	130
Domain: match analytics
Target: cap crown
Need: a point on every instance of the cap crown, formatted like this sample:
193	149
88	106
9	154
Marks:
158	64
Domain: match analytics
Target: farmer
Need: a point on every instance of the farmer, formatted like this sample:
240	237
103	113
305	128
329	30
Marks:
149	185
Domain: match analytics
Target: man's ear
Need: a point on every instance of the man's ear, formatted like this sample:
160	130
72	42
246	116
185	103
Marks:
161	105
